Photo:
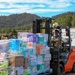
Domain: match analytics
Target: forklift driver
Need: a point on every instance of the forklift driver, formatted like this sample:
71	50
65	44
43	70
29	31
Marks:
56	37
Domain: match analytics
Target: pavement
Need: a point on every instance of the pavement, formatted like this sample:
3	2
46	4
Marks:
70	74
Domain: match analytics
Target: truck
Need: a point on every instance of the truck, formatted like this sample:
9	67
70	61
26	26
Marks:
72	34
62	57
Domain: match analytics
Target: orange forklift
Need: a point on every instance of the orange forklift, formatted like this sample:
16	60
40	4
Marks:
62	57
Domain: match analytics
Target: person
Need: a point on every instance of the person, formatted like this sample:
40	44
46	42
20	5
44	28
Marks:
3	37
56	37
0	37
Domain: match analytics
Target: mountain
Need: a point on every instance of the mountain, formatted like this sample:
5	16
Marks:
65	19
63	14
17	20
24	21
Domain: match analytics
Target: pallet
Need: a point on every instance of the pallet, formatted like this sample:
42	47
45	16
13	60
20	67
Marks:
44	73
48	72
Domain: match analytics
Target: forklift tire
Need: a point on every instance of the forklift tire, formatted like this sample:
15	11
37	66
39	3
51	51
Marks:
73	69
61	71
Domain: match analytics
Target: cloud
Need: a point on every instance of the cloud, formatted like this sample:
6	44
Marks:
34	6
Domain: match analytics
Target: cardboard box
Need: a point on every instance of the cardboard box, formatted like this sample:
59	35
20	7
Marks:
16	61
26	63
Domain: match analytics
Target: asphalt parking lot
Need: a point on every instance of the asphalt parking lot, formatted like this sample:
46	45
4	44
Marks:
70	74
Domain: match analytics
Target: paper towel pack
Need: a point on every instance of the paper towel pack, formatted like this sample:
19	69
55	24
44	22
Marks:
47	65
27	37
32	37
33	69
3	56
31	51
4	45
22	34
16	70
15	44
41	67
31	45
42	38
33	60
47	57
40	49
40	59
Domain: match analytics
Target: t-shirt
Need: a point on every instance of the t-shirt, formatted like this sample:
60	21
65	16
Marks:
57	36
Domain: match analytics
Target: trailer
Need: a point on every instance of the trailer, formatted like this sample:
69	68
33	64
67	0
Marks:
72	34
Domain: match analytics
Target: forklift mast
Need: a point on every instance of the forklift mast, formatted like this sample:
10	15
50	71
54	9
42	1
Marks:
68	34
38	27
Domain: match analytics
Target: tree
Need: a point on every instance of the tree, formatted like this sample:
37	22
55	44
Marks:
64	20
73	21
14	32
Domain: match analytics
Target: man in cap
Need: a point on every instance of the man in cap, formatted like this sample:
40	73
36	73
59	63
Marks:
56	37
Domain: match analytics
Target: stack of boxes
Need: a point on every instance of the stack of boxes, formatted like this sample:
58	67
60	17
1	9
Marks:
37	52
16	59
4	46
43	53
16	64
28	48
27	55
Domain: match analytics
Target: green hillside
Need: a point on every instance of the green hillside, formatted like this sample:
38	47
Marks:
18	21
23	22
65	19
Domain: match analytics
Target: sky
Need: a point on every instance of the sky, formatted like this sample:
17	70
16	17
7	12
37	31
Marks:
42	8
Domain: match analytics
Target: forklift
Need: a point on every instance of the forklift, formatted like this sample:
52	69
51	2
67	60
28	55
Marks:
62	57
